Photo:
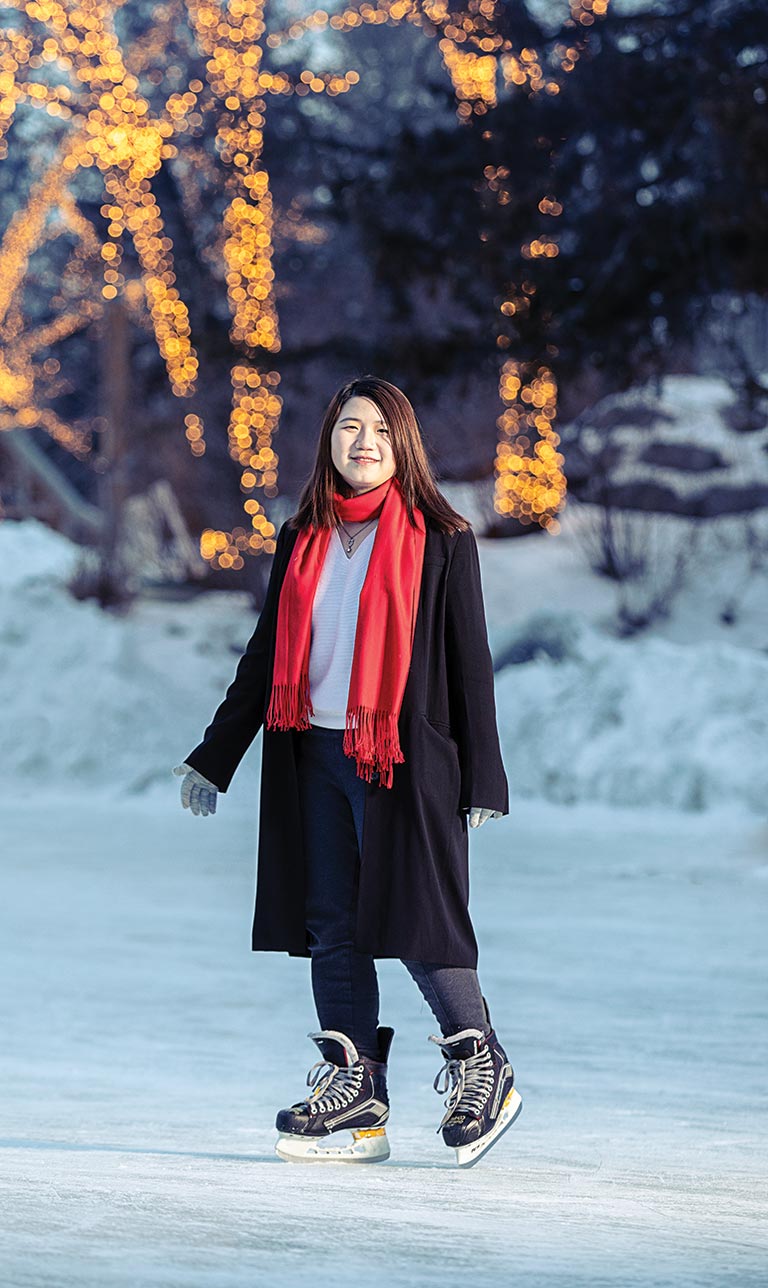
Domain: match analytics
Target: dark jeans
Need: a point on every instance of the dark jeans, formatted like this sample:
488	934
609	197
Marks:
344	981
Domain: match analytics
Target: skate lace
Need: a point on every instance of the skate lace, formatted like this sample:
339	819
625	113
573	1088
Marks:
333	1087
470	1081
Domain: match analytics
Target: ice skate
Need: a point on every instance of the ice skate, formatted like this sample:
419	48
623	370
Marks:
482	1101
348	1095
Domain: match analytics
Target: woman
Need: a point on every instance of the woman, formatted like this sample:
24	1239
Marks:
371	674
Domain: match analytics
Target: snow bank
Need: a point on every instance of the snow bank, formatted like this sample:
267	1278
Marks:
30	551
98	699
647	722
101	700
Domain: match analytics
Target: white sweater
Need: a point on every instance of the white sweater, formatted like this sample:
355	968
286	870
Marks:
334	621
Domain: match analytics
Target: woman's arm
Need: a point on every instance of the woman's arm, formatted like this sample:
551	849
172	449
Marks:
470	682
240	715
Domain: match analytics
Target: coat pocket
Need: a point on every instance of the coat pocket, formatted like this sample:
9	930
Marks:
438	724
442	727
441	753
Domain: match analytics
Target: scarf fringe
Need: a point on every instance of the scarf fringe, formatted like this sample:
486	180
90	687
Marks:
372	738
290	705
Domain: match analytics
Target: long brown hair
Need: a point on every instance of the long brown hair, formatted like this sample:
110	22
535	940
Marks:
412	467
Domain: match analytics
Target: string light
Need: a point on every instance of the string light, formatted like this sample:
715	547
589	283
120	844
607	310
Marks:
230	39
529	481
110	127
21	375
194	434
530	484
585	12
469	43
232	42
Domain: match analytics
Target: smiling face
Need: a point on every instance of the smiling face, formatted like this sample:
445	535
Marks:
360	445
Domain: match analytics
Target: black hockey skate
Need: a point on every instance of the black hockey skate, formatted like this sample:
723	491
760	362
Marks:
483	1101
349	1094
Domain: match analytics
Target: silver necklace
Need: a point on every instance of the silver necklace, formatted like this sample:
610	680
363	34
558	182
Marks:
348	550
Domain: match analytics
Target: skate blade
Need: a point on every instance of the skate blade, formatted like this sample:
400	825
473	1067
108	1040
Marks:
368	1145
468	1155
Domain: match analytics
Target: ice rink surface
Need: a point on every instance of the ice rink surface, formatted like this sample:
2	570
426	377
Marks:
145	1051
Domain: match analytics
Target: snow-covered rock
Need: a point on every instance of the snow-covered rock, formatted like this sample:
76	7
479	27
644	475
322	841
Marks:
677	451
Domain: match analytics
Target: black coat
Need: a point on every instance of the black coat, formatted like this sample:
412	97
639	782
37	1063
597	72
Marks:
414	871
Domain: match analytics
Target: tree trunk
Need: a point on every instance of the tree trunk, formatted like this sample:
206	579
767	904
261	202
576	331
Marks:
114	399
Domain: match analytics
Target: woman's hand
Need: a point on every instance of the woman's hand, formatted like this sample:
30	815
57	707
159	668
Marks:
197	793
477	816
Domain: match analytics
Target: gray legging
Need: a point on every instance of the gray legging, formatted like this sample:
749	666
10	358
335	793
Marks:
344	981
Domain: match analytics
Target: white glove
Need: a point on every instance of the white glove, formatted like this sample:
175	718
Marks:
197	793
477	816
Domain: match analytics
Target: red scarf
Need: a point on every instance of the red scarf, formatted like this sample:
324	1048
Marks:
386	621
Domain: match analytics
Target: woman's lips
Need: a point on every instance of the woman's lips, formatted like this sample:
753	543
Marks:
365	460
